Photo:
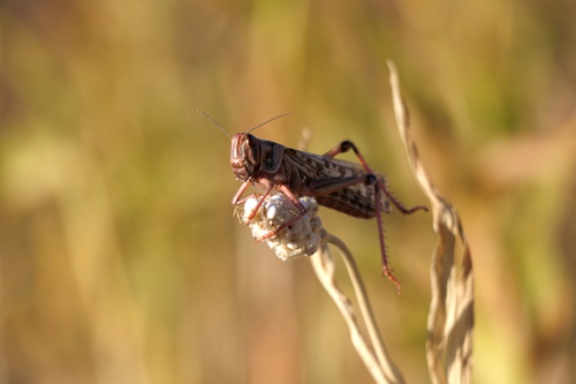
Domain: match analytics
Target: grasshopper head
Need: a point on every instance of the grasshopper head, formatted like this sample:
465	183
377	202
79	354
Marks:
244	155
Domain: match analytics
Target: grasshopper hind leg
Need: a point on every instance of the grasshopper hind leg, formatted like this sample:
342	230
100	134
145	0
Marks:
379	187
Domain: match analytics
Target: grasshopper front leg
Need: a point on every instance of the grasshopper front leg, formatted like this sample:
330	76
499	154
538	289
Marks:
236	199
269	186
301	212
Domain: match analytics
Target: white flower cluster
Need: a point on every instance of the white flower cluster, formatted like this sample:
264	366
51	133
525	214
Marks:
301	238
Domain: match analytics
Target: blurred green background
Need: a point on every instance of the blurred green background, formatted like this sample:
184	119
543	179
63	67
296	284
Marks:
120	258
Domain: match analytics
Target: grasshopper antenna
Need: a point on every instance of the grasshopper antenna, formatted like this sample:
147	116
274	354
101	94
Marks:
267	121
218	125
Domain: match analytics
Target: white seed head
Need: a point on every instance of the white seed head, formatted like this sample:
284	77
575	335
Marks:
301	238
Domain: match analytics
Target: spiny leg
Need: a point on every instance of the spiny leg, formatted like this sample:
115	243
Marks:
385	265
379	187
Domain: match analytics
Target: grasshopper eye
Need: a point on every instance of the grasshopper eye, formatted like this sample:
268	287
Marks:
249	143
250	150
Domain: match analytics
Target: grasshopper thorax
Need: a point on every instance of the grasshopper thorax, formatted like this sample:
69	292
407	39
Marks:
244	155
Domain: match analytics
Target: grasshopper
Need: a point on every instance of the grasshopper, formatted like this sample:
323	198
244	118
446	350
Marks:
353	189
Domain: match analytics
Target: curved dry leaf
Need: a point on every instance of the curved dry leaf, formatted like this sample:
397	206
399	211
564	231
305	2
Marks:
451	316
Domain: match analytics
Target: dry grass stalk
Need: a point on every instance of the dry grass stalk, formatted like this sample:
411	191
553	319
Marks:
373	353
451	316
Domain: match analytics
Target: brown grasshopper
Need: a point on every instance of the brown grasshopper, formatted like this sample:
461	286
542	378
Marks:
353	189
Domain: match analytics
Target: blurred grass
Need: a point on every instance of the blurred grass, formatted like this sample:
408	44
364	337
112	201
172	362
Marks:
120	260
